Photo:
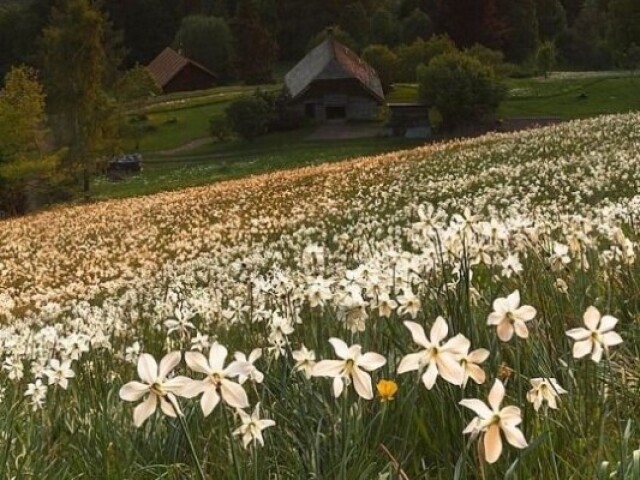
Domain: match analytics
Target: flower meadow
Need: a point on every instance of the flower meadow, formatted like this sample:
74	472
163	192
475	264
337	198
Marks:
468	310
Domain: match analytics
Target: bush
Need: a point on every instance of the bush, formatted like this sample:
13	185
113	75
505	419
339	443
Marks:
461	88
137	84
250	117
219	128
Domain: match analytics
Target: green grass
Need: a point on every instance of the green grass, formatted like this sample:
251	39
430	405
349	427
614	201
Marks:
561	98
175	120
238	159
557	97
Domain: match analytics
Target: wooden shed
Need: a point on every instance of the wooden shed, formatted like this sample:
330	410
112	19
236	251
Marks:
176	73
333	83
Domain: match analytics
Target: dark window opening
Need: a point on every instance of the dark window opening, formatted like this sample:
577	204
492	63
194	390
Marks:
310	110
334	113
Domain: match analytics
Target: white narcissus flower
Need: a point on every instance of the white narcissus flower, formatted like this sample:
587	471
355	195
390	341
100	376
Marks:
254	374
351	367
544	389
252	426
469	362
59	373
509	316
491	419
409	303
443	360
216	385
305	360
157	387
597	337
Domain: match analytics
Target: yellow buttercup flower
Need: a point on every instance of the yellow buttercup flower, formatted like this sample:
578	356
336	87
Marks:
387	389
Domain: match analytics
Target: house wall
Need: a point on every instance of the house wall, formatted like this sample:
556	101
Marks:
188	79
324	96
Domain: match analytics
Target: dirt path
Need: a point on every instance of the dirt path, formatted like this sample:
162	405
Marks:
187	147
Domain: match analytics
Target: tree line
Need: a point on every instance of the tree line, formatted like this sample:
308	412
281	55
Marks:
586	33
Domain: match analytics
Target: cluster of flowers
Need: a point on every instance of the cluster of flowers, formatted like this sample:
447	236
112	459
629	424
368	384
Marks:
354	241
450	360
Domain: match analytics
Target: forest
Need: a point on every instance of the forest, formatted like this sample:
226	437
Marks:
588	34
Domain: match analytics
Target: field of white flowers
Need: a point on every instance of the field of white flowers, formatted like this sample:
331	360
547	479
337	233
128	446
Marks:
467	310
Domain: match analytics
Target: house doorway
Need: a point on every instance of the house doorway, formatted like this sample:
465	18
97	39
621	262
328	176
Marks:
336	113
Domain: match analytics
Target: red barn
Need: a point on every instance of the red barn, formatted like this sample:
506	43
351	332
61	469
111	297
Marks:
176	73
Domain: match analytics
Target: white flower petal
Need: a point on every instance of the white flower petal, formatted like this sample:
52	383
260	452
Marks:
132	391
371	361
233	394
362	383
144	410
168	363
147	368
417	333
496	395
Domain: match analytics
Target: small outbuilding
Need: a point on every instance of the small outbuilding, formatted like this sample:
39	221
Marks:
176	73
333	83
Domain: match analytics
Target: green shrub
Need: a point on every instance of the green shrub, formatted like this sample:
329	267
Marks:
219	128
250	117
461	88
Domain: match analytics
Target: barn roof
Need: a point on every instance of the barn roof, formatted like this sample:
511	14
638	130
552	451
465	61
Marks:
169	63
331	60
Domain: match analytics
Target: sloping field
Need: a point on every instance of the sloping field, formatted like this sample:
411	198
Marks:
372	252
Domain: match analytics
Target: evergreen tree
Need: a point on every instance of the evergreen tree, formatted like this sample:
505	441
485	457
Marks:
385	29
354	20
552	19
207	40
522	39
624	26
76	61
255	49
416	25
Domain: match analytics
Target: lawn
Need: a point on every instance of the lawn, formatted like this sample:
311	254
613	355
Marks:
562	95
215	162
172	121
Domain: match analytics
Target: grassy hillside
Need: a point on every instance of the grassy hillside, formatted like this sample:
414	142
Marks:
502	269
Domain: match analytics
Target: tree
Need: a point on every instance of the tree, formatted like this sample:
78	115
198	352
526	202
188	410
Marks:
461	89
384	61
552	19
355	21
419	52
336	33
585	42
469	22
385	29
75	60
208	41
255	49
546	57
624	25
416	25
137	84
522	38
22	119
487	56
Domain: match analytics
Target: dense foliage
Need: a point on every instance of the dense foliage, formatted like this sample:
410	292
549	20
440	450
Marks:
462	89
587	32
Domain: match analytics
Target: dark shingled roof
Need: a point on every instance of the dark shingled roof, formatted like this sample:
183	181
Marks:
168	64
331	60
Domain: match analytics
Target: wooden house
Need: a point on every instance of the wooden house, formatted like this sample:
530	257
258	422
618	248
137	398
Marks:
176	73
333	83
